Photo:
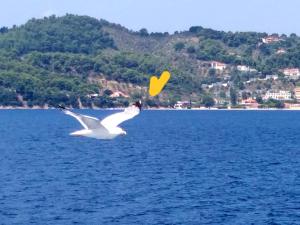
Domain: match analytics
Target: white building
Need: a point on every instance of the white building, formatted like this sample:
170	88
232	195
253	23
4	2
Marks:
93	95
182	105
297	93
225	84
293	73
252	80
278	95
244	68
218	65
281	51
271	39
118	94
271	77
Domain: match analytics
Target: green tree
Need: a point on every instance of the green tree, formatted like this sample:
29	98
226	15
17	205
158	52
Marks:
107	92
191	50
211	72
259	100
222	94
179	46
208	101
273	103
144	32
244	95
233	96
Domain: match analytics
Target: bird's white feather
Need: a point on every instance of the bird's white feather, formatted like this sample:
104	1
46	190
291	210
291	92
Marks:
105	129
87	122
115	119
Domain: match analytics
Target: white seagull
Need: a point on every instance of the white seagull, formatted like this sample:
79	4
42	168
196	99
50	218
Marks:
106	128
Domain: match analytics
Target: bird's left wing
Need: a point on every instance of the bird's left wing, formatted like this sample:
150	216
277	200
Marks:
87	122
115	119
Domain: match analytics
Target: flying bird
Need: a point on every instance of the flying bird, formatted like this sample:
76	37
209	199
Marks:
108	128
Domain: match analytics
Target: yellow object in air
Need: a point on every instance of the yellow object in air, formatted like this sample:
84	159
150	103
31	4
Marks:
157	84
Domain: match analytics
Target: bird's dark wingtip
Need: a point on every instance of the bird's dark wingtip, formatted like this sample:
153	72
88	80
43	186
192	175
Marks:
138	104
61	107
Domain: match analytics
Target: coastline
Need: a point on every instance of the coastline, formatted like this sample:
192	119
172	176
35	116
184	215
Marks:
157	109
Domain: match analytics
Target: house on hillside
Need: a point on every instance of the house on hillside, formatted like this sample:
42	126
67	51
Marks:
271	39
280	51
218	65
293	73
118	94
244	68
182	105
250	103
278	95
92	96
292	106
297	93
271	77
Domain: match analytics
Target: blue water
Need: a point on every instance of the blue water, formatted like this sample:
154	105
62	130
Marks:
173	167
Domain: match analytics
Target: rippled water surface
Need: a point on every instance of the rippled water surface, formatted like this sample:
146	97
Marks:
173	167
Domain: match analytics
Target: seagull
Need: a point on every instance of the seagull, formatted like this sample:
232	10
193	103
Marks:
105	129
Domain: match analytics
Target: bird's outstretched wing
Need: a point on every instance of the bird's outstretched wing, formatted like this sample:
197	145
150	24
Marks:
115	119
87	122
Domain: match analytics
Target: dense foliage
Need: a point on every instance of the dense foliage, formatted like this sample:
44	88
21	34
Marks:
57	34
247	48
56	60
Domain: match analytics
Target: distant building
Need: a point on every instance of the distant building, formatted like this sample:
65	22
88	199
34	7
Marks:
226	77
281	51
215	85
271	77
93	96
225	85
220	101
204	86
244	68
218	65
251	80
118	94
278	95
271	39
297	93
249	103
292	106
210	86
182	105
293	73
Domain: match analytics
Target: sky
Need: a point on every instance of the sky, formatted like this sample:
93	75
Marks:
271	16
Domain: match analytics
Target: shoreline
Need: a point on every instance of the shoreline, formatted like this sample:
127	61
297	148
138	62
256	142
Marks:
157	109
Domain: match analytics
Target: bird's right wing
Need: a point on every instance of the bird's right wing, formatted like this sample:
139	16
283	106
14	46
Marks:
87	122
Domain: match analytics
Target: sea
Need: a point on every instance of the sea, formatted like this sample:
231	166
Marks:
172	167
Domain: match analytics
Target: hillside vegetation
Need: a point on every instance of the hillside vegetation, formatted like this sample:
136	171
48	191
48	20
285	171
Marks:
64	60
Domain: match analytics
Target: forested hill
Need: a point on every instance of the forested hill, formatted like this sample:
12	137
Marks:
81	61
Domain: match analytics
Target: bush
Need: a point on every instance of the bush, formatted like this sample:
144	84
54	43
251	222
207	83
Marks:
208	101
191	50
179	46
8	98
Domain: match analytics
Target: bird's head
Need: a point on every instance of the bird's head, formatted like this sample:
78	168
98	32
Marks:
138	104
120	131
